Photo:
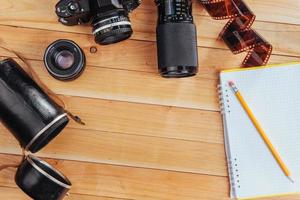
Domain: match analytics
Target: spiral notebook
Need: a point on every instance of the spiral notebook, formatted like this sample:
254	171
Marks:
273	94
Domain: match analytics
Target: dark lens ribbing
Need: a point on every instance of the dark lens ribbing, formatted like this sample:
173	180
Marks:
176	39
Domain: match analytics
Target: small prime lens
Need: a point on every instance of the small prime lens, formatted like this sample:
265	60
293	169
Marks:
112	29
64	60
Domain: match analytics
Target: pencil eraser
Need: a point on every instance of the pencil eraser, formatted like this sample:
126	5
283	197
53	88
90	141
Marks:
231	83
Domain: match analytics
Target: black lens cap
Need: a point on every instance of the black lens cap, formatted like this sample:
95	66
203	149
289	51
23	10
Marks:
40	180
64	60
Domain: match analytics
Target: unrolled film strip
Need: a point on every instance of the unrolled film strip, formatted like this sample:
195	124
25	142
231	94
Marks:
237	33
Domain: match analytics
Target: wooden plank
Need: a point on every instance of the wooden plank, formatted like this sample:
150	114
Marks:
154	120
272	32
135	149
208	31
159	121
276	10
144	22
209	63
130	183
16	14
129	150
133	183
141	87
130	55
14	193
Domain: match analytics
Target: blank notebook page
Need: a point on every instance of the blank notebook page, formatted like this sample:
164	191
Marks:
273	94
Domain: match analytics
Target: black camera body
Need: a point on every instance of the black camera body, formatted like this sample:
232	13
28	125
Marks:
109	18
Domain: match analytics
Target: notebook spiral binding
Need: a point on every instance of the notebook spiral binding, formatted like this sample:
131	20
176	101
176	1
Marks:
223	99
233	170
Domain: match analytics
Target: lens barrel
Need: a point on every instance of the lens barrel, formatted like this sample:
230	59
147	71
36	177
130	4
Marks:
176	39
112	29
64	60
177	50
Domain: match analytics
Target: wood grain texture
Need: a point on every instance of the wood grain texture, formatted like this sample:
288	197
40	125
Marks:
125	85
130	150
144	22
130	182
146	138
11	193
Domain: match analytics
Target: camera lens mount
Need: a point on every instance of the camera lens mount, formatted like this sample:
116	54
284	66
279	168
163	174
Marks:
112	29
64	60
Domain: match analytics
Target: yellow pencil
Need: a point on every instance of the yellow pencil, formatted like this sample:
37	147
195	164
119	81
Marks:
261	131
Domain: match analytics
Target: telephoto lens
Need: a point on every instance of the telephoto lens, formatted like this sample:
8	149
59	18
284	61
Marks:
176	39
26	110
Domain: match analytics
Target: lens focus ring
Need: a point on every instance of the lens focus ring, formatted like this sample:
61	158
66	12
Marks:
111	30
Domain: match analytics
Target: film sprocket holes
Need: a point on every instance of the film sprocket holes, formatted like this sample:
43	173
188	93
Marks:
109	18
176	39
237	33
34	119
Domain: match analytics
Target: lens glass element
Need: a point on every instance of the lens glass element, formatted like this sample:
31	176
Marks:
64	59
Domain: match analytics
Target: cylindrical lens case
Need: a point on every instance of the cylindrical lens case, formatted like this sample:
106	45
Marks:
26	110
34	119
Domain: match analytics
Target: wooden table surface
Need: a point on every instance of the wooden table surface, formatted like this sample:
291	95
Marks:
146	137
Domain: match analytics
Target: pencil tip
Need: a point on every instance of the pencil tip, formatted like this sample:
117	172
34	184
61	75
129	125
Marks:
290	179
